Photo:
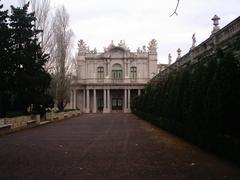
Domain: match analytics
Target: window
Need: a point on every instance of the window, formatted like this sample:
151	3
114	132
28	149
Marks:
100	73
117	71
133	73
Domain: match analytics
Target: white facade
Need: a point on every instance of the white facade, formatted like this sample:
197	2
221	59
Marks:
107	81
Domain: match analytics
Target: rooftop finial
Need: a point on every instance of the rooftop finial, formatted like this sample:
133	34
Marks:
169	58
152	48
215	20
179	53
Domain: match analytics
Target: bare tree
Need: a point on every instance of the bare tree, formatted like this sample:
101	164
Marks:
42	13
175	11
61	55
55	38
42	9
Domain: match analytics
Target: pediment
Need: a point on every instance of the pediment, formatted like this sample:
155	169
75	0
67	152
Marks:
117	52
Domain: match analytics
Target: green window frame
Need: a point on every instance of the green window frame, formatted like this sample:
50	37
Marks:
133	73
117	72
100	73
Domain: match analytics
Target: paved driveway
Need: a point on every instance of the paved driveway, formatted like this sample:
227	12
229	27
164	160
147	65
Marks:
108	147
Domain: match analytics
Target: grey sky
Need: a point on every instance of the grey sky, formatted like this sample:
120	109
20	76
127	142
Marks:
138	21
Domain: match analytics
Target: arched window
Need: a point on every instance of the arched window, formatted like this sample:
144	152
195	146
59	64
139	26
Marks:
133	74
117	71
100	73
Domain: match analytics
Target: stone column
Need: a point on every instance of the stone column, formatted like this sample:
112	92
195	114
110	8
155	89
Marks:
87	108
108	100
129	100
94	101
139	92
104	101
125	101
84	100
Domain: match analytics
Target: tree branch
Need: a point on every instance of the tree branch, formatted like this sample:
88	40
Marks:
175	11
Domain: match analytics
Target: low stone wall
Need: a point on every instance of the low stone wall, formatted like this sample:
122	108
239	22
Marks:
20	121
52	116
8	125
2	122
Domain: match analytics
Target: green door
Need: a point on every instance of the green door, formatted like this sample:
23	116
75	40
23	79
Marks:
117	104
100	104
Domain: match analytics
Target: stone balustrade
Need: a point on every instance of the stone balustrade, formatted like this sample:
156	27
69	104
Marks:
207	47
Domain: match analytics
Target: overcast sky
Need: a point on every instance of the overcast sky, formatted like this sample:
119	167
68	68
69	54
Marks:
138	21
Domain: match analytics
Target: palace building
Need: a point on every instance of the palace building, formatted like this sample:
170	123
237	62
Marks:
107	81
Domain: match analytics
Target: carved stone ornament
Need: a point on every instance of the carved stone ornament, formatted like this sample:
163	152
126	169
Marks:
152	46
82	48
121	44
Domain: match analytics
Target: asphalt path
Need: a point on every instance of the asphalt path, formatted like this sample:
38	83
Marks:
108	147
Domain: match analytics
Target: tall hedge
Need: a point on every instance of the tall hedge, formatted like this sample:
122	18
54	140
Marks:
200	102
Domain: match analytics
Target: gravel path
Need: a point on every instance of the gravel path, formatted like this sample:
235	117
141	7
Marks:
107	147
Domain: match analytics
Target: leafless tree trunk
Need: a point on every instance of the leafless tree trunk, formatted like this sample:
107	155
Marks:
42	9
43	14
175	11
61	54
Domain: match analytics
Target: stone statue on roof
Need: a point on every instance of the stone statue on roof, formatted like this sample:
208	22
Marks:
169	58
152	46
138	50
144	48
193	41
82	48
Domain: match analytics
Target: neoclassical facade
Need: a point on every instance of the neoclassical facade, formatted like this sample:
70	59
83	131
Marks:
107	81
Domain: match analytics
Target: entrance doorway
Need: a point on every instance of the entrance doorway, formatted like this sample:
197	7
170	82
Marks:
117	104
100	104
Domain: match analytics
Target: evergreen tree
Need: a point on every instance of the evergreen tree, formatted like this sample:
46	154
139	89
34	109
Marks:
5	62
31	81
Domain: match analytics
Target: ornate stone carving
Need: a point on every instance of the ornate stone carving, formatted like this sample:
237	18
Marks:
111	45
215	20
82	48
179	53
152	47
121	44
141	51
144	49
138	50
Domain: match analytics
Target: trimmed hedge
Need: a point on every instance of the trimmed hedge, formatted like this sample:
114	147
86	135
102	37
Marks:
199	102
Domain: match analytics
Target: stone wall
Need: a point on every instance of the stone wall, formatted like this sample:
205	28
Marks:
52	116
8	125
